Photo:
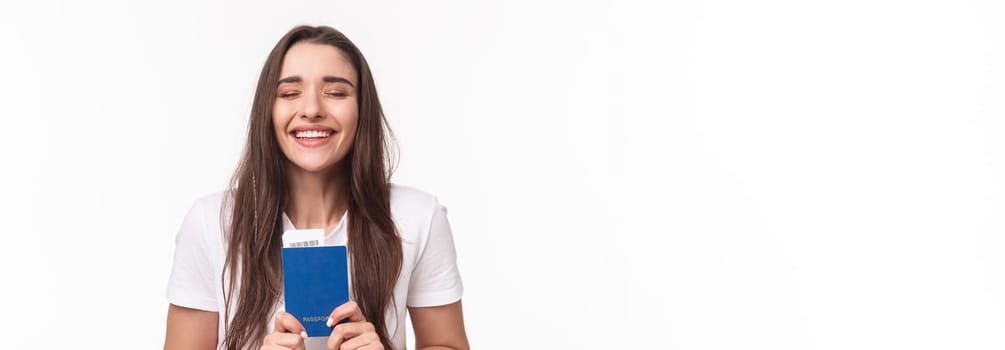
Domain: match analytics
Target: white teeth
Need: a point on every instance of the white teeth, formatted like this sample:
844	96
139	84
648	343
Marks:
312	134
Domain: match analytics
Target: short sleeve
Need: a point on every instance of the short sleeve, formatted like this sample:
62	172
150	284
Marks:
436	280
192	279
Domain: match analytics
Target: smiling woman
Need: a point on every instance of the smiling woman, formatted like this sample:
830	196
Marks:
301	103
315	158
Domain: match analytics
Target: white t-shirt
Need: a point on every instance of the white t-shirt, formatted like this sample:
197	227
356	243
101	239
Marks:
429	275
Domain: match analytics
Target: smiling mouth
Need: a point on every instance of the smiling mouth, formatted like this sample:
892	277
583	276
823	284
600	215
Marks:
312	134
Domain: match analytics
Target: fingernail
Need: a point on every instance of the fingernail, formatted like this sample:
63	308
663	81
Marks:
303	334
329	323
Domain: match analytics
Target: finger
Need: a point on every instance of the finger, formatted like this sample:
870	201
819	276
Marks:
278	347
346	331
287	340
361	342
348	310
274	347
286	323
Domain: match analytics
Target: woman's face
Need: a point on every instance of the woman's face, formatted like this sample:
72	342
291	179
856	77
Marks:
315	110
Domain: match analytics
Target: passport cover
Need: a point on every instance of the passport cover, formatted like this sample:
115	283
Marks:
315	282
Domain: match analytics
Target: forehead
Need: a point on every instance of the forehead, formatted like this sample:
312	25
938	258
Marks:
313	61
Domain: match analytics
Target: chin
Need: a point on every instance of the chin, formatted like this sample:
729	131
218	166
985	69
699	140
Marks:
313	166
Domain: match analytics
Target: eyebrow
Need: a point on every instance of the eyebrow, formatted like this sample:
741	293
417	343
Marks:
327	79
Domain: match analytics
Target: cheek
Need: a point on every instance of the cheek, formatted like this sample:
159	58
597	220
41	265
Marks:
280	114
350	130
348	117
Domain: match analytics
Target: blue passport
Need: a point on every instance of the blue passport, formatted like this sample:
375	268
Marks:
316	281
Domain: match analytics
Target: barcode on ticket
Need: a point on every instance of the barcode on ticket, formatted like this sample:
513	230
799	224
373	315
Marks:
304	244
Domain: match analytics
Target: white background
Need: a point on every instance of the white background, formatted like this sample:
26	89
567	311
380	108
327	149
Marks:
693	175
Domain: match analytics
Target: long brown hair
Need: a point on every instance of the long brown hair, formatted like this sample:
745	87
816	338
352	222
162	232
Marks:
259	194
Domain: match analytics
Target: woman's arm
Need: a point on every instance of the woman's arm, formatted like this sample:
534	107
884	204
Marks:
439	327
190	329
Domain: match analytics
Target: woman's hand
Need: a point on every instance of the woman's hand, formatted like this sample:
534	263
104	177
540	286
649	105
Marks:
289	334
357	333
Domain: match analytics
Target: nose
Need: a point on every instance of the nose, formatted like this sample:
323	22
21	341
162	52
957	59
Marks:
311	107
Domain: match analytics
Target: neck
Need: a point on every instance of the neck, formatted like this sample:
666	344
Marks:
316	199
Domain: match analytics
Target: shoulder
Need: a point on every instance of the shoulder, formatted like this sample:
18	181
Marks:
410	199
206	218
213	201
198	256
413	210
211	206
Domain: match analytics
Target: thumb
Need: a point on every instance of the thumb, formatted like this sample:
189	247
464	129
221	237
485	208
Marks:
286	323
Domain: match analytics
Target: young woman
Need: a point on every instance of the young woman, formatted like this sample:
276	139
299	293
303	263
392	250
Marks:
315	158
